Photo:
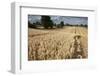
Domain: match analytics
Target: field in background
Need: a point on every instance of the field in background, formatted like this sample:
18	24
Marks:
63	43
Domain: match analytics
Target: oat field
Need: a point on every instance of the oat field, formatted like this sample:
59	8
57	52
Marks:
52	44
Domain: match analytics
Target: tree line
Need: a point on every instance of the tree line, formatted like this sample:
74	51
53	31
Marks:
46	22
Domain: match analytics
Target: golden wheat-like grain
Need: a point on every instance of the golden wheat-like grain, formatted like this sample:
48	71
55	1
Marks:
54	44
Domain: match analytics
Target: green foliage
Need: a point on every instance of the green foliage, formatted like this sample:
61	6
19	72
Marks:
46	22
30	25
62	24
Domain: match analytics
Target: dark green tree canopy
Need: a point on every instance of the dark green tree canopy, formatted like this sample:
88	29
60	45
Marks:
46	22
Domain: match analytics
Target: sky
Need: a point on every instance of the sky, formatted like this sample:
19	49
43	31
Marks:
57	19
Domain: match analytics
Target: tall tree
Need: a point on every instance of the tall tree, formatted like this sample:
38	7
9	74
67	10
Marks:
62	24
46	22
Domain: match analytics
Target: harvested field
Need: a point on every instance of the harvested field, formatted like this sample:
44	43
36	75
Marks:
63	43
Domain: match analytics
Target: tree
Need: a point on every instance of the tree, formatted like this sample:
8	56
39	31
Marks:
86	25
51	24
31	25
46	22
62	24
37	23
81	25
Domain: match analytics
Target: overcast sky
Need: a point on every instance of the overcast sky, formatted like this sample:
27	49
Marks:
58	19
